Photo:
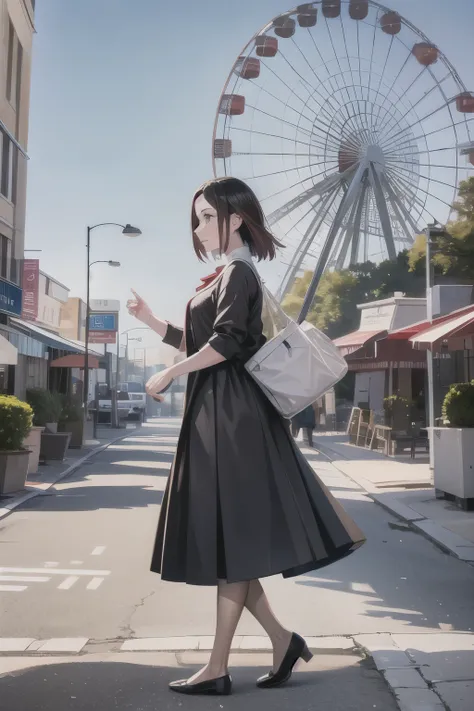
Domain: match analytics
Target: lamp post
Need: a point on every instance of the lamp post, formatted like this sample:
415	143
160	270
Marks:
433	230
125	333
126	230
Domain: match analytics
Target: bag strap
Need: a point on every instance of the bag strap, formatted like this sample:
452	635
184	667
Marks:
271	304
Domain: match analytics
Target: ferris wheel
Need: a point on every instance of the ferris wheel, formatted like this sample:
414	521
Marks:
351	126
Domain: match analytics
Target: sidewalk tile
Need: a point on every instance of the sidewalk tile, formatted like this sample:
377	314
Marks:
418	700
457	695
160	644
404	679
65	644
18	644
338	643
250	642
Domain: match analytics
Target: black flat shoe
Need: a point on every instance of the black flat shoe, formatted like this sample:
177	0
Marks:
297	649
213	687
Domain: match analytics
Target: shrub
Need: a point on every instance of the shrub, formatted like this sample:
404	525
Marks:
16	418
72	410
47	406
458	406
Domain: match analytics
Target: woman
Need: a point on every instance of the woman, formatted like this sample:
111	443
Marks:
305	419
241	501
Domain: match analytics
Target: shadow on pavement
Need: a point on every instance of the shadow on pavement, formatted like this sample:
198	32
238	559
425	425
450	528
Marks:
334	683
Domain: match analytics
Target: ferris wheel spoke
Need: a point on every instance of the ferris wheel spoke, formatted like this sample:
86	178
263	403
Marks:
329	99
429	178
286	104
271	135
402	188
382	76
371	63
419	121
303	248
420	202
325	185
402	214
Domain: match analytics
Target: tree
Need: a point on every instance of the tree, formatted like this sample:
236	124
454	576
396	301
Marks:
453	252
334	309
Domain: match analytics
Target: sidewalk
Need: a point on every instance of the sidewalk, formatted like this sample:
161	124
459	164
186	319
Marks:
404	487
49	474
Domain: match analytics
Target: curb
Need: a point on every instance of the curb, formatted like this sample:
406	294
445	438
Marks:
9	508
442	538
243	644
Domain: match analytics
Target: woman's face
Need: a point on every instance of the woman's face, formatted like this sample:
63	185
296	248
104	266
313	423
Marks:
207	231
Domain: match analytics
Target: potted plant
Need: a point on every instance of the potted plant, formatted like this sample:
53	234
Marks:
47	407
453	447
397	412
72	420
15	422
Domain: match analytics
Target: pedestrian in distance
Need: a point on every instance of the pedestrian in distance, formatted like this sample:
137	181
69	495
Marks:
306	419
241	502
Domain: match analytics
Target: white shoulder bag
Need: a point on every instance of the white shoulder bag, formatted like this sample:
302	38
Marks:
297	364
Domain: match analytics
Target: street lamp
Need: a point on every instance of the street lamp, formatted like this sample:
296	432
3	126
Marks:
130	232
125	333
433	230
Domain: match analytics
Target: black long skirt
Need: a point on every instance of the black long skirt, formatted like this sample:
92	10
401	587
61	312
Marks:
242	502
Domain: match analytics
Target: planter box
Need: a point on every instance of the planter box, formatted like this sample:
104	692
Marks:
77	433
33	443
13	471
453	452
54	446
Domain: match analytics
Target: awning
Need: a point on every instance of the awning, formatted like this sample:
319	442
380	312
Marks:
357	339
75	361
457	327
408	332
8	353
49	339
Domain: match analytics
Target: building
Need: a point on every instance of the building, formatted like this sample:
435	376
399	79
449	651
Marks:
16	33
73	319
388	351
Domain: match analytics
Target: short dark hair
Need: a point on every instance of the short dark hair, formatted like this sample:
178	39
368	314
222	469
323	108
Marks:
229	196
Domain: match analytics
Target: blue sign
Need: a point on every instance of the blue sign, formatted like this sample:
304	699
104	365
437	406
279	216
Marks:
103	322
10	298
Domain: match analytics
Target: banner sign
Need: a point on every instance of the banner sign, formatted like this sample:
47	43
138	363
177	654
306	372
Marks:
102	337
30	289
103	322
10	298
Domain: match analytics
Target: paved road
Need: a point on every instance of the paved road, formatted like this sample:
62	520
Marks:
139	683
75	563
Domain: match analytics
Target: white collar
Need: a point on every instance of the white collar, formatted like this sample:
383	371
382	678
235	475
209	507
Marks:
239	253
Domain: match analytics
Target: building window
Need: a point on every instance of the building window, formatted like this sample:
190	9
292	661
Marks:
4	245
14	67
8	166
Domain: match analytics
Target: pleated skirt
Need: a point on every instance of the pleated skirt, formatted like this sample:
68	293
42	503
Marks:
241	501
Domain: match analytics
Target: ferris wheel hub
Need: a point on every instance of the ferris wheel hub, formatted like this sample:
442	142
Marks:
375	154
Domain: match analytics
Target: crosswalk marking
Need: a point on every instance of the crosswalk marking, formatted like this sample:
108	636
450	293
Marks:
12	588
98	550
55	571
95	583
22	579
68	583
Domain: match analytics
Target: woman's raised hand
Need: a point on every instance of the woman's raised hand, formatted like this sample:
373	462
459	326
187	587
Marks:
139	308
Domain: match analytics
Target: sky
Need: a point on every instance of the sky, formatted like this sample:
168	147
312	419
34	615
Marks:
123	100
